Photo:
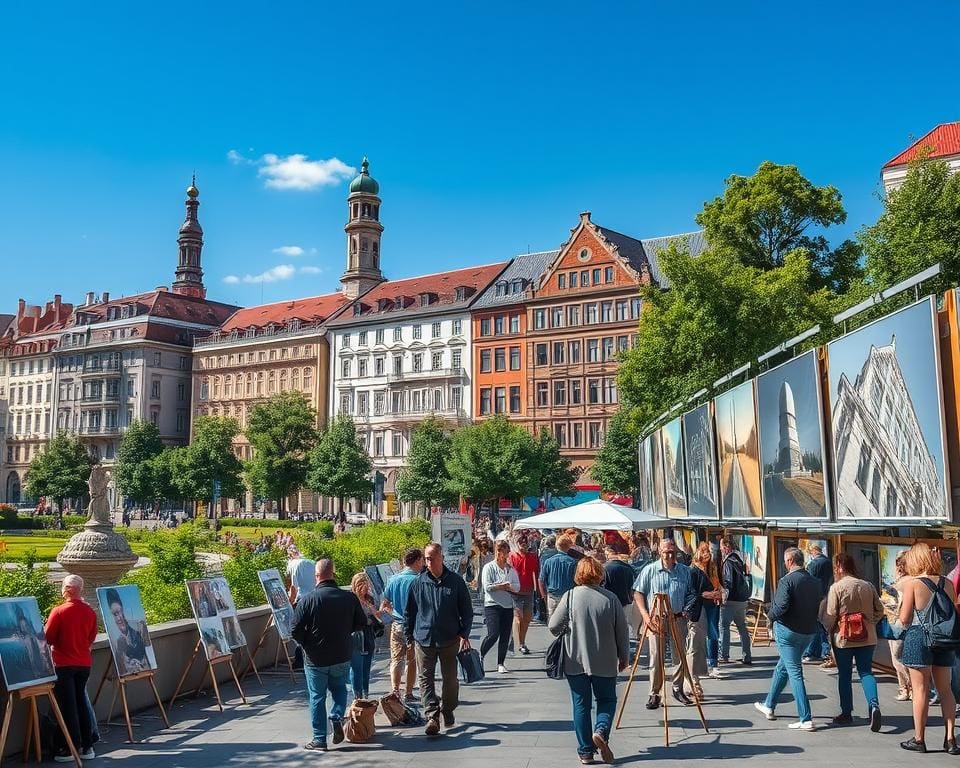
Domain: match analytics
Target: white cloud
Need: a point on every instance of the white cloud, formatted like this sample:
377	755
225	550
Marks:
231	279
237	159
310	270
295	171
272	275
289	250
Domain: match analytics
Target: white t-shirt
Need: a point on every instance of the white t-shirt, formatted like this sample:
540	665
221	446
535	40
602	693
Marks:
494	574
302	574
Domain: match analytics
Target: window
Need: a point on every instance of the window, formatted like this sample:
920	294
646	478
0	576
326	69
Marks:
500	400
345	369
560	392
595	434
584	278
378	443
363	339
623	343
539	319
363	403
457	327
417	362
345	403
608	275
398	334
622	310
556	317
593	351
500	359
484	361
634	309
596	276
590	313
181	392
573	315
573	279
435	330
608	348
417	331
396	402
379	364
456	361
543	394
863	469
456	397
417	401
156	358
397	365
436	361
346	341
515	324
541	356
593	391
485	326
515	399
578	435
307	379
485	401
574	350
155	389
606	311
514	358
559	348
397	443
560	433
379	335
362	367
610	390
562	280
498	325
379	402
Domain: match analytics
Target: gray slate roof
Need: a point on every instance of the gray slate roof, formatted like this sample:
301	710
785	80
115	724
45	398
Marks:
636	252
527	266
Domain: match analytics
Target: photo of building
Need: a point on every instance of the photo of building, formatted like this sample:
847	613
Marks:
888	427
791	439
701	463
737	446
652	490
671	435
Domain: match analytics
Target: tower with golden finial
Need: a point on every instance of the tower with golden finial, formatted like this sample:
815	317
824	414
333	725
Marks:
189	276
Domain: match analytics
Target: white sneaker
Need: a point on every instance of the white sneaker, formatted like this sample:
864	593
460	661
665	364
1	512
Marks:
766	711
502	669
716	674
802	725
88	755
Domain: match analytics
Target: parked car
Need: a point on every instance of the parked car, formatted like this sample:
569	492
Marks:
356	518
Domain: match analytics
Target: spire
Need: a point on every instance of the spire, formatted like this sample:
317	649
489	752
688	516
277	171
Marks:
189	275
363	230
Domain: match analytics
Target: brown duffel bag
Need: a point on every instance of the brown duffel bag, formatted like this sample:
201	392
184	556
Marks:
358	723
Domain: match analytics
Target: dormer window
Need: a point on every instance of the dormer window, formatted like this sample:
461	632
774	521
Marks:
400	302
426	299
502	288
357	309
517	286
382	304
461	293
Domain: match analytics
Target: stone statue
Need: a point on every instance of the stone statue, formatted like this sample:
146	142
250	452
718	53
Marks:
99	505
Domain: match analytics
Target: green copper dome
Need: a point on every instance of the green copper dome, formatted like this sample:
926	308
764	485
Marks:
365	182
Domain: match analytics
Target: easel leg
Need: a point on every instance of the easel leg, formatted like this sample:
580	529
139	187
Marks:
257	647
286	652
28	736
63	727
662	665
633	671
103	679
686	673
156	695
126	710
216	688
5	728
253	665
186	671
36	727
234	671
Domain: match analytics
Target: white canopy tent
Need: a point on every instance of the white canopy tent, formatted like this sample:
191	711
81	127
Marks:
596	515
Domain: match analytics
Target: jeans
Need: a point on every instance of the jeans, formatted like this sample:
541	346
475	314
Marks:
737	613
427	658
360	674
71	692
712	611
791	646
583	688
819	647
319	681
845	658
499	622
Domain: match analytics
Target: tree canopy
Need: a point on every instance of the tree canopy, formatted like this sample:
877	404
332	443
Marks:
492	460
552	474
60	471
616	468
209	458
134	471
339	464
425	478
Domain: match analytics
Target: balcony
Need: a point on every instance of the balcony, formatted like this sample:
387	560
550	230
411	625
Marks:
433	373
108	399
455	414
98	429
109	367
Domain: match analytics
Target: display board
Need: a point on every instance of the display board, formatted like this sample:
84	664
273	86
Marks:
125	621
645	471
792	440
888	554
735	415
454	533
24	653
888	420
674	476
216	616
278	600
656	464
759	568
701	464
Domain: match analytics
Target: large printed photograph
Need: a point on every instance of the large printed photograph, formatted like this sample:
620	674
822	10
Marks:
737	446
671	437
650	465
888	426
701	464
791	439
126	624
24	653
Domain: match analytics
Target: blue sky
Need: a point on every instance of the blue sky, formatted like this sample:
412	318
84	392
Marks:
488	126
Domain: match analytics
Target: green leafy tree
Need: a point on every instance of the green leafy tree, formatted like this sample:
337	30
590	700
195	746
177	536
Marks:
616	468
762	218
281	430
492	460
919	226
551	473
339	464
60	471
164	470
133	472
425	479
209	458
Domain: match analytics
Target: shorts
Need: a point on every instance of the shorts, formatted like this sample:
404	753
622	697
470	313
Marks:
400	651
523	603
916	654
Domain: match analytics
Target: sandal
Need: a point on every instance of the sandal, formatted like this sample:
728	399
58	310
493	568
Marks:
903	695
698	691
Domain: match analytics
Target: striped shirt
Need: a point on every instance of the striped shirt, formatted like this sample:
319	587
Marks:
676	583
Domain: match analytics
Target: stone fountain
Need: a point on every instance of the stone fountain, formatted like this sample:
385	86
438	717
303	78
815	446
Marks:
97	554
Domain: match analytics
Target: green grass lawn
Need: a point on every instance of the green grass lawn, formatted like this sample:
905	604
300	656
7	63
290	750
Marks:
48	547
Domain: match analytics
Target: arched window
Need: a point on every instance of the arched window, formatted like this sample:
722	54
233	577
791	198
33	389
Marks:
260	384
283	381
271	382
249	384
307	379
295	378
216	387
228	386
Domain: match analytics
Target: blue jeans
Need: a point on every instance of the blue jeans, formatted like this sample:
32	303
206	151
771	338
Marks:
819	647
713	632
791	646
360	674
582	690
319	681
735	611
864	658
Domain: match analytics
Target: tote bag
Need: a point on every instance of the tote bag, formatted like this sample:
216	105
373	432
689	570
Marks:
556	660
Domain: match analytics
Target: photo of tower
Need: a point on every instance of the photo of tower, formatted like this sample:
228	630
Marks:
737	447
888	424
701	463
792	443
671	436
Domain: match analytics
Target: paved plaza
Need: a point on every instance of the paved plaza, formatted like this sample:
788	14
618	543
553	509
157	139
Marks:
521	720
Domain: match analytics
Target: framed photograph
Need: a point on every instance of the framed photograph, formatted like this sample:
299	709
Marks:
759	568
792	439
888	423
212	603
278	600
126	624
24	653
804	546
674	476
701	464
645	471
735	414
201	598
213	637
656	473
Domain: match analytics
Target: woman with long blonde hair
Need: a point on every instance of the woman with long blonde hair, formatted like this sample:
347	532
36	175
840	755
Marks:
704	628
364	640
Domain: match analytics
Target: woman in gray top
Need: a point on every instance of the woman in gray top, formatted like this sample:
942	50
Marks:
597	643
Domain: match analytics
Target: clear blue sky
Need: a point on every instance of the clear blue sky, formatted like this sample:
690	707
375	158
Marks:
489	128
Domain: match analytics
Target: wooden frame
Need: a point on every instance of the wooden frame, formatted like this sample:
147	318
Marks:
213	676
120	685
32	736
281	644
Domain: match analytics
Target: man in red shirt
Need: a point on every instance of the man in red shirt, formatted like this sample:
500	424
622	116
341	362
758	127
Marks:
527	566
70	631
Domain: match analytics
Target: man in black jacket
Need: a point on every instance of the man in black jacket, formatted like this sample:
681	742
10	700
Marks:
821	569
323	623
734	608
438	619
793	614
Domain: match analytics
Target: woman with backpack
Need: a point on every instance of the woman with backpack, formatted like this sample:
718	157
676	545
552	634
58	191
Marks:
852	611
927	613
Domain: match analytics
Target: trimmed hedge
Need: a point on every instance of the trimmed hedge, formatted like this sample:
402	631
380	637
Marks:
268	526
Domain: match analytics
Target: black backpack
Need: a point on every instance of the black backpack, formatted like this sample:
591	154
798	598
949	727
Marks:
739	587
941	628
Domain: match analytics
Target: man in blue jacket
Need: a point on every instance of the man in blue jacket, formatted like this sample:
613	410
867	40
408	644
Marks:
438	618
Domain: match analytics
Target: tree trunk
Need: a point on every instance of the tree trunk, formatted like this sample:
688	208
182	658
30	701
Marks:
495	516
281	510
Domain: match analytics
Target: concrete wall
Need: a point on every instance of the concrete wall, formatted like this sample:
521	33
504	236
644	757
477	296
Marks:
173	643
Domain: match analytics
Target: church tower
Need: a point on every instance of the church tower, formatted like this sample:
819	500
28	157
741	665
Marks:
363	230
189	277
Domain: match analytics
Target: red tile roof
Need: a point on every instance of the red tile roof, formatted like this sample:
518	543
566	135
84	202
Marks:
166	304
942	141
315	309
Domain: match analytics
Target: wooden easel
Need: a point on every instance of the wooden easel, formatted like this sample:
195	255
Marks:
757	634
281	644
120	684
213	676
251	664
32	736
662	615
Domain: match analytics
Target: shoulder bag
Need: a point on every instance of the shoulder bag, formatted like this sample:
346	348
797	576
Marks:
556	660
